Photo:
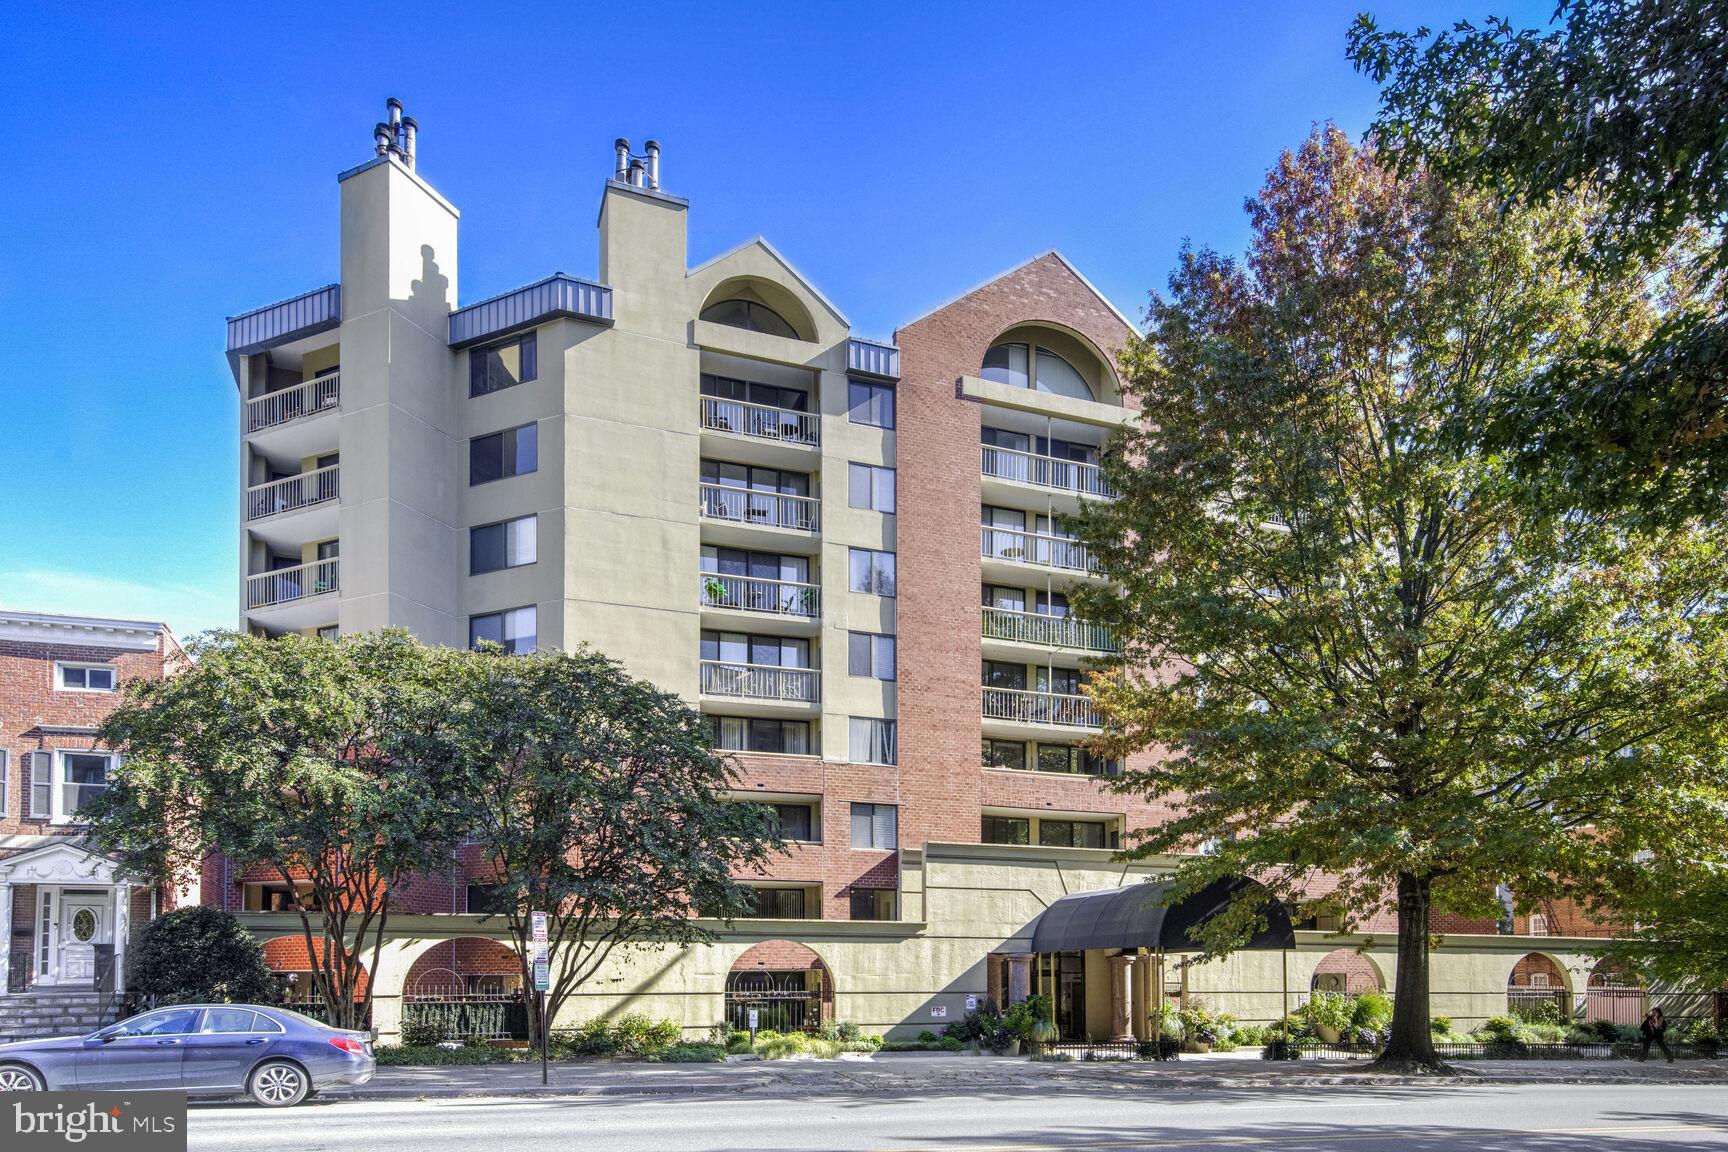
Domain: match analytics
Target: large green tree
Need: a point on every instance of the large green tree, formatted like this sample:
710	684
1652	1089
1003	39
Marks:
1624	102
1373	669
594	797
306	758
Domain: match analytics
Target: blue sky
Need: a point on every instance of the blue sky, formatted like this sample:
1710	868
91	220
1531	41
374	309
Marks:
167	166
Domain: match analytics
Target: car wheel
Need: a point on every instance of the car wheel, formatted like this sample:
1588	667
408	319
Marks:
279	1084
17	1078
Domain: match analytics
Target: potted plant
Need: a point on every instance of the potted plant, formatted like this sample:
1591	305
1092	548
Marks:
1330	1014
714	590
1043	1029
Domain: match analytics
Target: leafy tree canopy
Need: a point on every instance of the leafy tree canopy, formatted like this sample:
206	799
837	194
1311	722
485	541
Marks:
1623	102
1373	662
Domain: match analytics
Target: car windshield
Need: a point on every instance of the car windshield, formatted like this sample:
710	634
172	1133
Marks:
169	1022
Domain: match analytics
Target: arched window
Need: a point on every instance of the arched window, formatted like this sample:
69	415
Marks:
749	315
1013	364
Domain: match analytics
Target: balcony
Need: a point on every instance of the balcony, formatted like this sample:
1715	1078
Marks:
1014	627
792	599
1059	475
760	509
286	585
1016	546
289	404
761	682
292	493
761	422
1011	706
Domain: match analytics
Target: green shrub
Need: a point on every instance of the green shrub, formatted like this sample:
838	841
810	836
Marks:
406	1055
737	1042
1606	1030
1440	1025
1582	1034
1701	1031
1332	1010
423	1033
1372	1010
1497	1028
1053	1057
636	1035
1250	1035
842	1031
1539	1012
781	1046
689	1054
199	955
950	1044
928	1037
1542	1034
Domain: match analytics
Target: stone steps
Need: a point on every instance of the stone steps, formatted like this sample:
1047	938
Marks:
25	1016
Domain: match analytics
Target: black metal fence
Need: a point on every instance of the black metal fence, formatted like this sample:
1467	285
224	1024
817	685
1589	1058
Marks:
1514	1050
470	1017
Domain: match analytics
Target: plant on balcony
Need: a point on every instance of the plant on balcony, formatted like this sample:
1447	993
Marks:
714	590
1380	659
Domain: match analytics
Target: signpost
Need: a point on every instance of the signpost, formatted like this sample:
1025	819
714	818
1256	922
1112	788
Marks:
753	1027
542	981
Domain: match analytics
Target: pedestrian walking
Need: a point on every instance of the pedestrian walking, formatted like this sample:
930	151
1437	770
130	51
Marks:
1654	1030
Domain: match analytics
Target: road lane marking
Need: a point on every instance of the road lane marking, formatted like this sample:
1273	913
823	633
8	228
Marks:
1286	1139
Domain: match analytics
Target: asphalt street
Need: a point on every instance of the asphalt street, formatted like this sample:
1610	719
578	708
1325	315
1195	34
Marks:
1530	1118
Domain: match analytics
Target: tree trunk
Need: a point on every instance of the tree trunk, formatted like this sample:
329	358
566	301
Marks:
1412	1040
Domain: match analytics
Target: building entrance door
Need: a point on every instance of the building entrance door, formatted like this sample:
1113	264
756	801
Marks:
85	921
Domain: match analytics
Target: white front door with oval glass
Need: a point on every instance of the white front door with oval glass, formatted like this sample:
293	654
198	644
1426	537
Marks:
84	923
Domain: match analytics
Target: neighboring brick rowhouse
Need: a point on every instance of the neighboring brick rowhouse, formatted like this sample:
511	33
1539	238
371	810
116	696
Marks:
937	457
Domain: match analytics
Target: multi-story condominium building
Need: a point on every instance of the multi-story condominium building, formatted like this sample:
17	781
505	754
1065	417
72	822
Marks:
65	915
848	553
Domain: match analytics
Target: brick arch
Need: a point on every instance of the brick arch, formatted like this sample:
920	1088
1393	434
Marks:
1533	963
449	967
288	954
784	957
1356	972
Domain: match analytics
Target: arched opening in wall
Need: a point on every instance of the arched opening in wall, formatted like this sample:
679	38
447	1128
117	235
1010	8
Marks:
1536	991
1347	972
1613	992
784	983
295	968
469	988
758	305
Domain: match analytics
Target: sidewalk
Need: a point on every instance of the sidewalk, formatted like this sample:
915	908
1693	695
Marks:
920	1074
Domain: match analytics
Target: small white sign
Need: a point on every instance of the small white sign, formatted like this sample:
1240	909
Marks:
971	1003
752	1019
938	1011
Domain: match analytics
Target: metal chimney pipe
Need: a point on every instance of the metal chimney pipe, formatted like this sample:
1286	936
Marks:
409	131
381	138
622	146
652	148
635	175
393	107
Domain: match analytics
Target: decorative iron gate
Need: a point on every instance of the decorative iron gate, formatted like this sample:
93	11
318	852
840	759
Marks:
784	1001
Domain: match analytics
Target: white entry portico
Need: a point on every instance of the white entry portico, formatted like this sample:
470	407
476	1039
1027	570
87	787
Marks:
80	906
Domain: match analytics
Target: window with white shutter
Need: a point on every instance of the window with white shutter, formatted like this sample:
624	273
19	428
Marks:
875	826
40	766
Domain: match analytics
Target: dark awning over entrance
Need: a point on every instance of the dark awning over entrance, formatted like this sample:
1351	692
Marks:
1133	916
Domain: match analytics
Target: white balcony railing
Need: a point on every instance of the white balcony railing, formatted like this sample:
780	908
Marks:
1047	631
755	594
308	399
1046	471
761	421
291	492
1019	706
286	585
1039	548
754	506
760	682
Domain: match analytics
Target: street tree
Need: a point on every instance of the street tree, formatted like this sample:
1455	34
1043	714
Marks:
301	757
1374	674
595	798
1622	101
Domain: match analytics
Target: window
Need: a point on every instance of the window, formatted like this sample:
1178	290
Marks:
506	544
752	392
872	571
1012	364
731	475
1006	830
869	486
875	826
1073	759
1010	599
512	452
5	782
491	899
765	651
1006	364
327	632
231	1020
513	629
1005	754
870	654
756	734
868	402
998	674
1071	834
40	767
776	904
501	366
870	741
277	896
875	904
168	1022
86	677
794	821
749	315
82	776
